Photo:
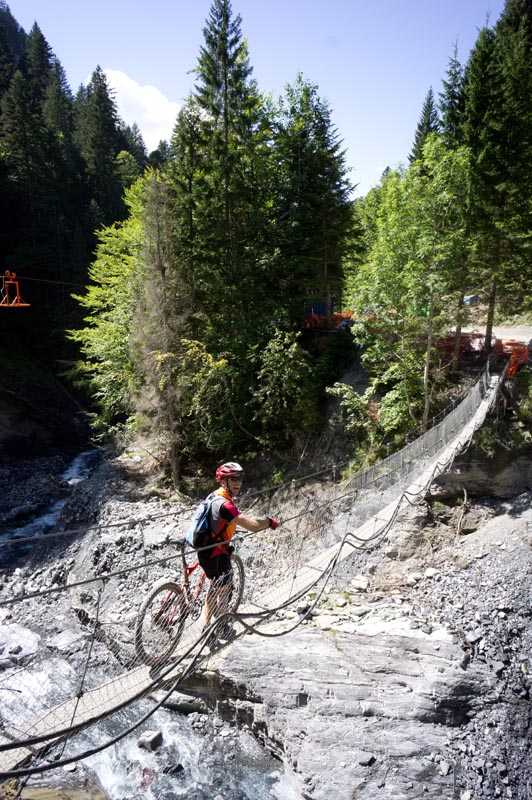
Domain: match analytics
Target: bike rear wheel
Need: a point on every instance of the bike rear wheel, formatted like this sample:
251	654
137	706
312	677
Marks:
160	622
238	583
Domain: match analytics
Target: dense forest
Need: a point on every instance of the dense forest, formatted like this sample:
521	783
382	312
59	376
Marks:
176	288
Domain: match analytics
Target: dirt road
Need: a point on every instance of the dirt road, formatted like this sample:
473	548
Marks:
523	333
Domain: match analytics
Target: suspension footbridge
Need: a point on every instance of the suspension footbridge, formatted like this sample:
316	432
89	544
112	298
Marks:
51	699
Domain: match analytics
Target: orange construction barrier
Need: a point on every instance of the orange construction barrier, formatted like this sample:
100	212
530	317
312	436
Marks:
327	321
518	352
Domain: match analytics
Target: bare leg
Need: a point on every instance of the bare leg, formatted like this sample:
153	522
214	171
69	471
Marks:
218	597
210	603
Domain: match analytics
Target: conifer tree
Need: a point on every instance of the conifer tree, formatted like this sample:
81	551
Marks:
36	64
58	107
7	64
428	123
159	158
452	106
160	323
16	37
131	140
187	179
516	15
498	127
313	209
452	103
234	134
96	131
482	97
514	219
24	138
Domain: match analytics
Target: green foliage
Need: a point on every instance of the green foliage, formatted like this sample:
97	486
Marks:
312	207
127	168
428	124
452	102
413	267
107	367
201	386
360	419
522	401
355	405
97	135
285	397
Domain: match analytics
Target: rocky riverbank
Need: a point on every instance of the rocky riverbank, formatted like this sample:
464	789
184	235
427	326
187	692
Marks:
411	678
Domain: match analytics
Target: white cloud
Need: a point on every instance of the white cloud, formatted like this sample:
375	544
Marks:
153	112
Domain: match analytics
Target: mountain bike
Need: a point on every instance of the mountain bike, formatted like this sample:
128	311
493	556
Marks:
167	607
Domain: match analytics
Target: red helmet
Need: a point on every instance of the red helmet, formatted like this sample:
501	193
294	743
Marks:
229	470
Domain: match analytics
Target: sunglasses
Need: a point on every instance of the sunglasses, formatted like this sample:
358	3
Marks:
239	478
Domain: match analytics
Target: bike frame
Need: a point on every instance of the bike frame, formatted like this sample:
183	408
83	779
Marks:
162	616
190	596
169	609
188	569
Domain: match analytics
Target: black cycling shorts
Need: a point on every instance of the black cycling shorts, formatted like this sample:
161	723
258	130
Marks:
216	567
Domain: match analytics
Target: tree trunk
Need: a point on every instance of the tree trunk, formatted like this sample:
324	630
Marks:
455	364
426	375
491	315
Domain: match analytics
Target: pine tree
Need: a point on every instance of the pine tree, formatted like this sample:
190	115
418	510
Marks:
517	14
7	62
452	106
159	158
187	179
160	326
482	134
313	210
96	132
16	37
58	106
234	136
515	222
428	123
131	140
24	138
36	64
452	103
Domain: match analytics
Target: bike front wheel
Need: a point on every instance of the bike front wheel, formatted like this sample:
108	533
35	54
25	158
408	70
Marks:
160	622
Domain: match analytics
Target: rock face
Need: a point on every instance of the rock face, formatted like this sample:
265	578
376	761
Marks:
504	475
362	713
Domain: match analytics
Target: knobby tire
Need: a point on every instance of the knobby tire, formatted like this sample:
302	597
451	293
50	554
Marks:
238	583
160	622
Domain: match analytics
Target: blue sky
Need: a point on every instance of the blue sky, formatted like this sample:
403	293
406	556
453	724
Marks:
373	60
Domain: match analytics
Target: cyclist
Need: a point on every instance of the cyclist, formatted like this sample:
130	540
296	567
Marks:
225	517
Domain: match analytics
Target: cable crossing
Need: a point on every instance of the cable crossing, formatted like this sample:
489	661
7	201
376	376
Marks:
65	695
